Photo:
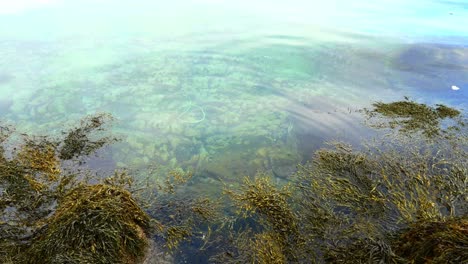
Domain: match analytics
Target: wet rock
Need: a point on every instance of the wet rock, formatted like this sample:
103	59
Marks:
280	161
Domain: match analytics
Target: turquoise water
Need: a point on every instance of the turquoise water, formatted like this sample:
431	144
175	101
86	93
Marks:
225	88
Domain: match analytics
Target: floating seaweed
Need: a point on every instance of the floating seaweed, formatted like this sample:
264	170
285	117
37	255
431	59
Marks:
268	204
410	116
434	241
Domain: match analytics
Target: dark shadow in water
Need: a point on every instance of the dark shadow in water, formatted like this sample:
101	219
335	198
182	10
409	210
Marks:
432	67
320	121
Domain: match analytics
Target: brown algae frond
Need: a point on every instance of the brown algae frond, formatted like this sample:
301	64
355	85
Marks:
268	249
446	112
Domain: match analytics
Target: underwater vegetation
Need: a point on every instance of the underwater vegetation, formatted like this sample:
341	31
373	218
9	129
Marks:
398	199
360	204
280	238
77	141
436	241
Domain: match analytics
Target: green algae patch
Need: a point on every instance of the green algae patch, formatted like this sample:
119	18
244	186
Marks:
93	224
410	116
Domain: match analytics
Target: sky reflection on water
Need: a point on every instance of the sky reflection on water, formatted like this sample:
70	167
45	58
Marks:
223	85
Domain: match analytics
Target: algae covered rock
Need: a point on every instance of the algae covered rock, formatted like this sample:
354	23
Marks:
93	224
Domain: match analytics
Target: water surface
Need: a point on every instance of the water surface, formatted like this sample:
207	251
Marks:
226	88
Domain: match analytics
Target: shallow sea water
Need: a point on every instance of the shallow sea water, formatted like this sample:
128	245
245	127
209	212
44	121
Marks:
225	88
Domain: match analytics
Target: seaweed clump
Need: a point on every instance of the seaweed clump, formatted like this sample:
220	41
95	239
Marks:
268	249
56	212
279	239
411	116
94	224
435	241
400	203
30	183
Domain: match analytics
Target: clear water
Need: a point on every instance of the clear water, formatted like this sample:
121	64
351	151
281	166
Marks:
221	87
